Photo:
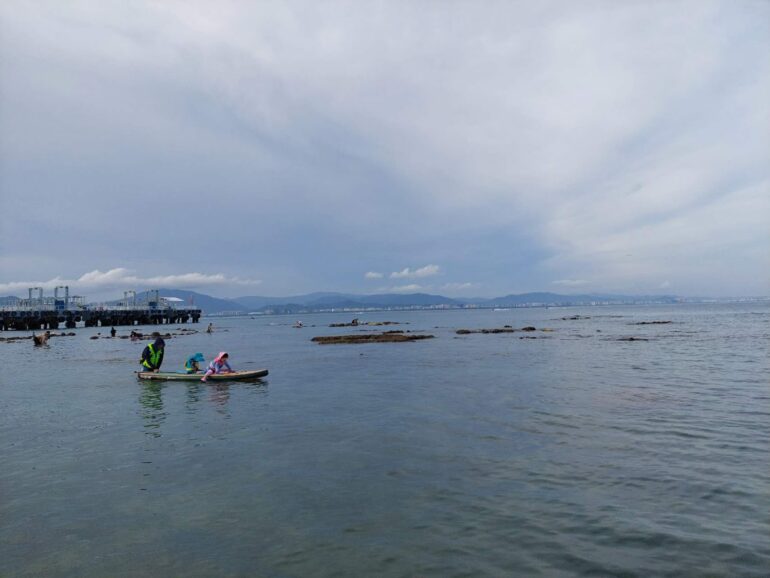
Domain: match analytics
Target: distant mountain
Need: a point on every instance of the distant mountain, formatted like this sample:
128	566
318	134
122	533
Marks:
254	303
473	300
324	301
285	309
316	301
206	303
544	298
387	300
8	301
407	300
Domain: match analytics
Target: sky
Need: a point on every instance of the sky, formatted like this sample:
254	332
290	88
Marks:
453	147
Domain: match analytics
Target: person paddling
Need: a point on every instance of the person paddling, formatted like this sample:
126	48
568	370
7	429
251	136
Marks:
219	365
152	356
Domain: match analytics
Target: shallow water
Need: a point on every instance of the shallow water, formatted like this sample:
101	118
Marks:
573	454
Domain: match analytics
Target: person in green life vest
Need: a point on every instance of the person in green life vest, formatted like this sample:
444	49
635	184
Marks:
191	365
152	356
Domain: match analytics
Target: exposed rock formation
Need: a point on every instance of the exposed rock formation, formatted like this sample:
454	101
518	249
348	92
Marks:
386	337
505	329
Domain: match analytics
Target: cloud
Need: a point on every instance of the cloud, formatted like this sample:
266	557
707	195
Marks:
571	282
121	278
373	275
458	286
411	288
640	249
626	144
407	273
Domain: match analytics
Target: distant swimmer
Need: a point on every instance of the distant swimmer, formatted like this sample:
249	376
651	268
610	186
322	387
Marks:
41	339
210	328
298	324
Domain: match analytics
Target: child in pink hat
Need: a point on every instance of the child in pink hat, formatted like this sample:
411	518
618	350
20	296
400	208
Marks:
218	365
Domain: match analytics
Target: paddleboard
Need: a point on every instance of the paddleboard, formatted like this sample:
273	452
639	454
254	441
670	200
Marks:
253	374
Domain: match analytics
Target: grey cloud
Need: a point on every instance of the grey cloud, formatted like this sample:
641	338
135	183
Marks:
621	143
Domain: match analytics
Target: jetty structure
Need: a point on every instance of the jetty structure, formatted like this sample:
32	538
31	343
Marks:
38	312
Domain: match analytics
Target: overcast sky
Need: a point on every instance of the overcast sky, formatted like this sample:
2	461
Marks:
462	148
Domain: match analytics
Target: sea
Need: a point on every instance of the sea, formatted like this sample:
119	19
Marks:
565	451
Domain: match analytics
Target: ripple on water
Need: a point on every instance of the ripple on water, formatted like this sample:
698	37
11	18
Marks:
578	455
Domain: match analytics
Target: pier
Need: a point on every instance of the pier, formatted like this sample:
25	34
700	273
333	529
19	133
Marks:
38	312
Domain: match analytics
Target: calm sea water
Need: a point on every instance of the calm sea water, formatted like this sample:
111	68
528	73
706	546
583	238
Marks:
573	454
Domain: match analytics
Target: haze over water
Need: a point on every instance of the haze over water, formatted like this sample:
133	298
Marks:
572	454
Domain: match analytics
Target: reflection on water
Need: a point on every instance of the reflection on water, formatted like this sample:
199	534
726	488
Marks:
154	411
151	401
193	395
219	395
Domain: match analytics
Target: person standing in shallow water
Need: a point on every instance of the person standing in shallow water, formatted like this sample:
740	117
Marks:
112	332
152	356
210	328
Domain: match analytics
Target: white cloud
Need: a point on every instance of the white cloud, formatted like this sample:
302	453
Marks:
571	282
373	275
120	278
458	286
411	288
407	273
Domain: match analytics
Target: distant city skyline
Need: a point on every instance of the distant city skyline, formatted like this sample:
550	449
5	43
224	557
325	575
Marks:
457	149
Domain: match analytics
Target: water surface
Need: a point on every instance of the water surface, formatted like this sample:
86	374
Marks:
573	454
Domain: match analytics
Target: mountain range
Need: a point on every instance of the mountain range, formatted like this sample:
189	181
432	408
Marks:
325	301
